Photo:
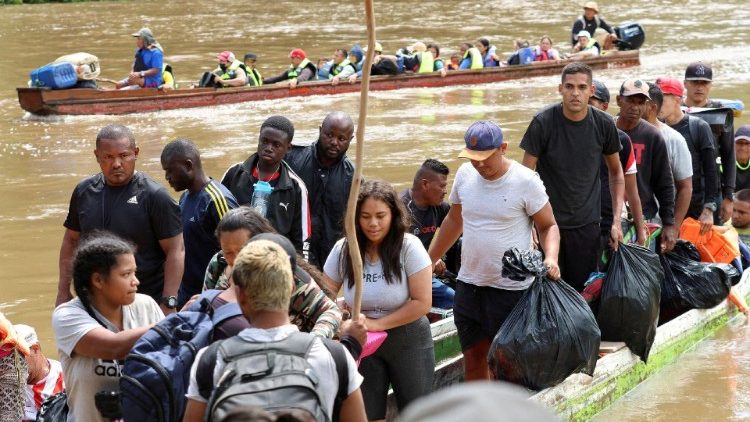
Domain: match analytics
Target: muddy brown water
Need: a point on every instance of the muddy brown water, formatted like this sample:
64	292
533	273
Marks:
41	159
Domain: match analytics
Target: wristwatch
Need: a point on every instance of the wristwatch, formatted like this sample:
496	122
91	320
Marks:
142	73
169	301
710	205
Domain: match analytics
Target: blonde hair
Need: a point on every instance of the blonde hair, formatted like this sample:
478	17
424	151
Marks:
263	271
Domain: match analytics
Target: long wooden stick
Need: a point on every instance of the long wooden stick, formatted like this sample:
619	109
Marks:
351	205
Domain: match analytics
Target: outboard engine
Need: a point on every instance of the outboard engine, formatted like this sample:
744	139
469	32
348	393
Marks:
630	36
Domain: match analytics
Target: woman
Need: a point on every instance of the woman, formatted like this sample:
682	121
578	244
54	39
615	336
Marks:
488	52
397	276
310	309
544	51
99	327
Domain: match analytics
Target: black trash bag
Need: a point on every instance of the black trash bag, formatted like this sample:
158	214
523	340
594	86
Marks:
698	285
728	273
629	304
550	334
687	250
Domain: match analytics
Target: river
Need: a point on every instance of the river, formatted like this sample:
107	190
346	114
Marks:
41	159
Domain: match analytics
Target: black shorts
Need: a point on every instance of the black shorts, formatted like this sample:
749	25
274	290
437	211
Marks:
480	311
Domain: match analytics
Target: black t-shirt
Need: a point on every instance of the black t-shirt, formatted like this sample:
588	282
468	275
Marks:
569	159
424	221
743	177
702	153
655	181
589	25
141	211
626	155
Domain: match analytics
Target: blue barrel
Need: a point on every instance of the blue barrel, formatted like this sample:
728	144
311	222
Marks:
55	76
526	55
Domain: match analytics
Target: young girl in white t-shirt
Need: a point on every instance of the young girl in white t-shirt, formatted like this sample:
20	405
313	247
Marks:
99	327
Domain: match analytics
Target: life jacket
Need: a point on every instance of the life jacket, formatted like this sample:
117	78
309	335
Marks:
476	58
294	72
253	77
231	71
167	76
339	67
426	62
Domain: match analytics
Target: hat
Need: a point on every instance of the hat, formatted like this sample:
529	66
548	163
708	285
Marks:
357	52
698	71
742	134
378	48
670	86
297	53
482	139
143	33
601	92
251	56
591	5
634	87
418	47
584	33
226	56
27	333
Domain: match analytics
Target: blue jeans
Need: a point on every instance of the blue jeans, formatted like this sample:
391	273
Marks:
442	295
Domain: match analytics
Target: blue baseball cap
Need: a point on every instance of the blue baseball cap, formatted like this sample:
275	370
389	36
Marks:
742	134
482	139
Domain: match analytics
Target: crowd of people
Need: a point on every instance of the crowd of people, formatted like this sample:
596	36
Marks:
591	36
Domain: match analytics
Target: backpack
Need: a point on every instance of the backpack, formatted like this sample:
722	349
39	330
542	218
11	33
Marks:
274	376
156	373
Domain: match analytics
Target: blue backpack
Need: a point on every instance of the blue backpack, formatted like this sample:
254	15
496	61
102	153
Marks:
156	373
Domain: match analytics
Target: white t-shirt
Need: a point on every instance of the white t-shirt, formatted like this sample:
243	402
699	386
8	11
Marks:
680	159
378	297
85	376
497	217
320	360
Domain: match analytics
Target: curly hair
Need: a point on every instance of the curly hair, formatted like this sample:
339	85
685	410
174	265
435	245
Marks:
280	123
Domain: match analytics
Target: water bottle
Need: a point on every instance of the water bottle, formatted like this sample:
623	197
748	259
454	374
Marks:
261	196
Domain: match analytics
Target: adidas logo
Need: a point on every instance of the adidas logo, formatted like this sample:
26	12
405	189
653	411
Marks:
133	200
192	219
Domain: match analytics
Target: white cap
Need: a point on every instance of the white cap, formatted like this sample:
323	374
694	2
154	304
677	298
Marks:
27	333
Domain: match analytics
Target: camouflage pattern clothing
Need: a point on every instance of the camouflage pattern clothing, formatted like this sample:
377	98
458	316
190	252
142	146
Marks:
309	308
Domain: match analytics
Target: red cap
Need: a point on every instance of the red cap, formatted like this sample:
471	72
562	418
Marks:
670	86
224	56
297	53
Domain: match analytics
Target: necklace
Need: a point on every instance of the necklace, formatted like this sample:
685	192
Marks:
273	173
741	167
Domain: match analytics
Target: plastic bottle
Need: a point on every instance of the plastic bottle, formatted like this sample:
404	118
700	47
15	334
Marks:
261	195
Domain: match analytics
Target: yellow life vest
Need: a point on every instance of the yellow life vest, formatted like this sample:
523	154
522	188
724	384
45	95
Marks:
476	58
339	67
426	62
167	76
296	71
231	70
254	78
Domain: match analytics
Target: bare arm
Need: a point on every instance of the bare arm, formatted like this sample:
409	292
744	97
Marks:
100	343
420	293
549	234
194	411
239	80
529	161
65	265
450	230
617	190
682	202
174	263
631	194
353	408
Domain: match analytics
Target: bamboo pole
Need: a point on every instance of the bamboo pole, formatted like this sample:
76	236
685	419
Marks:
351	205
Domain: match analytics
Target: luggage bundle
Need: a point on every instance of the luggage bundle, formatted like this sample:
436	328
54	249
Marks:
66	72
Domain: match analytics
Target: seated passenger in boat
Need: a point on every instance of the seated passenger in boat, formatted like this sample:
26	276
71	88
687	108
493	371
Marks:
454	62
487	51
471	57
230	72
544	51
515	58
147	66
167	77
356	58
300	70
435	50
585	47
324	68
253	75
341	66
590	21
415	58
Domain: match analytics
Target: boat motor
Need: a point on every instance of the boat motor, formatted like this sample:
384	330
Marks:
630	36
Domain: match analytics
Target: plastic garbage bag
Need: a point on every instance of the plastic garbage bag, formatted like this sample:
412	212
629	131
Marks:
550	334
689	284
629	304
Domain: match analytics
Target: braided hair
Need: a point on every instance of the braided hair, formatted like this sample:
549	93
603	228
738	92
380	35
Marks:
97	253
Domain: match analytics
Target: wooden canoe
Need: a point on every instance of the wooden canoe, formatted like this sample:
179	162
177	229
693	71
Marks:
580	397
44	101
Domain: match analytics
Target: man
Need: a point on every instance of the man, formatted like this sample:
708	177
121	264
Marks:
741	215
287	207
300	70
494	202
263	277
341	66
699	140
428	210
655	180
680	160
45	375
600	100
253	75
148	65
584	47
589	22
356	57
230	72
471	57
202	207
698	80
742	152
555	142
327	173
133	206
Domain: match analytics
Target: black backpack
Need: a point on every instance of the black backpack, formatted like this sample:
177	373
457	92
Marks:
274	376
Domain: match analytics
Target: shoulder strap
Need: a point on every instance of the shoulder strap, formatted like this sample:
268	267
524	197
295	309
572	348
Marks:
207	296
229	310
694	129
342	370
297	343
204	374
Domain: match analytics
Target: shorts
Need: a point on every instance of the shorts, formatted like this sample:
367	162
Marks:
480	311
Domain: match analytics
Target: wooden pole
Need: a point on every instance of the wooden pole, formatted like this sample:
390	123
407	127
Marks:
351	205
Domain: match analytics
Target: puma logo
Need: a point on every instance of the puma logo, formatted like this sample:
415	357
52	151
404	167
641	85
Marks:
286	206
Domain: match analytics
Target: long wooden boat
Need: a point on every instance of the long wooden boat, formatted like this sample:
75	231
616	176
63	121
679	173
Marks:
580	397
44	101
